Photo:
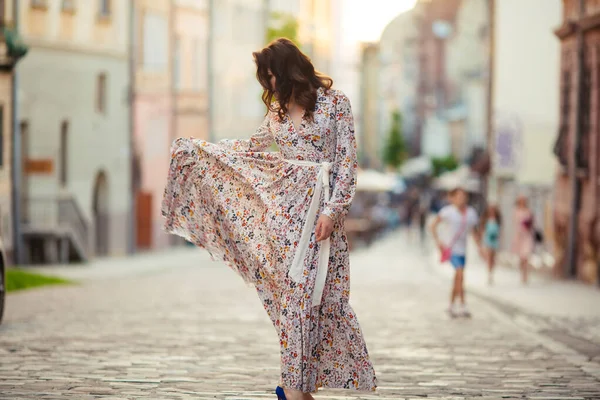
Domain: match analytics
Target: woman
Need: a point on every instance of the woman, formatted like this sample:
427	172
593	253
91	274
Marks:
524	235
491	223
277	218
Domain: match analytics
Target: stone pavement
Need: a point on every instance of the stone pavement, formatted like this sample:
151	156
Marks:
564	310
193	330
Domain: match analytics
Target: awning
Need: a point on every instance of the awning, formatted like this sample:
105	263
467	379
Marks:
416	166
461	177
369	180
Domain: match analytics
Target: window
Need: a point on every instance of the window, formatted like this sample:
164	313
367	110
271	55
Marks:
2	12
155	39
177	64
199	67
104	10
64	143
68	5
101	93
41	4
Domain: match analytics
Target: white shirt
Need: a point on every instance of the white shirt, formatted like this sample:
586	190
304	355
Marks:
455	221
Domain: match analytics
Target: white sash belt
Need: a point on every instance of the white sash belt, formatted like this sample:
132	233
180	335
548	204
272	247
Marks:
296	272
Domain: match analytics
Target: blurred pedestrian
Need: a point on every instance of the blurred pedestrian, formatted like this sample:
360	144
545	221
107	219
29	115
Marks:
278	221
412	213
524	236
461	219
491	223
424	209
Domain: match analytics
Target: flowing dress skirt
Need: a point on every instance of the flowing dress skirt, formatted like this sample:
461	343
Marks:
249	209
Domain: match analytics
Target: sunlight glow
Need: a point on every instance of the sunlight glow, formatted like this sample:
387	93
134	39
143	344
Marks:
365	20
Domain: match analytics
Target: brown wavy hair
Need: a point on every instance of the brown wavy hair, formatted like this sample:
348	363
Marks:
296	77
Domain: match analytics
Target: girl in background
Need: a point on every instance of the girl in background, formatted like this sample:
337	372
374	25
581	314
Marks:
461	219
491	223
524	235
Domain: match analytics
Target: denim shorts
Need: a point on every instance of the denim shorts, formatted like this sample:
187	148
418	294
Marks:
458	261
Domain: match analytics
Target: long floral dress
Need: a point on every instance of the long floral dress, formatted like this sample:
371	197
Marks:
248	207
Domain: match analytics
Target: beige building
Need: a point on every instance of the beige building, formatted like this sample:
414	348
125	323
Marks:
368	139
525	103
317	27
190	68
10	53
317	32
74	110
397	79
238	29
154	111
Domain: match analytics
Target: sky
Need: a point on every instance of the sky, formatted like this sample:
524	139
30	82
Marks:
365	20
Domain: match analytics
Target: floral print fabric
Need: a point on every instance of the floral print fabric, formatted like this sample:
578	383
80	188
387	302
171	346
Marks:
247	207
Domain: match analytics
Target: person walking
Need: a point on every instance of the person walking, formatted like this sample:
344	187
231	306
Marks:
491	224
524	238
277	218
460	219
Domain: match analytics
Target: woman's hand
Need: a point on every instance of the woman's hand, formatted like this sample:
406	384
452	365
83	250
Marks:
324	227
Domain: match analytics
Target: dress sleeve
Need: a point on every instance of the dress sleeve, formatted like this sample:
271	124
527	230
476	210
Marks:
260	141
345	162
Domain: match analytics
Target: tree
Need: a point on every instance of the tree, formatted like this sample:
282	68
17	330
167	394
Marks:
395	151
282	25
444	164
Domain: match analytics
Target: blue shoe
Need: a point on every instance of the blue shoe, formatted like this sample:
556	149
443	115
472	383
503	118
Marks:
280	393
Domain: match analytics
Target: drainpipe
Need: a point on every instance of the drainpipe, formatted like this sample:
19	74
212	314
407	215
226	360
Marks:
490	179
595	161
17	166
131	248
572	250
174	88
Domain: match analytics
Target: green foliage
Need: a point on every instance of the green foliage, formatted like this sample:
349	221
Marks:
395	151
14	43
282	25
444	164
18	280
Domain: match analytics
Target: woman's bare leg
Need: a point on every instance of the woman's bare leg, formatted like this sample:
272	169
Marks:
524	272
461	288
455	286
491	259
293	394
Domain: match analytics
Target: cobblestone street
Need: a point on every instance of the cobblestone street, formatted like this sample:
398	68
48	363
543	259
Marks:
195	331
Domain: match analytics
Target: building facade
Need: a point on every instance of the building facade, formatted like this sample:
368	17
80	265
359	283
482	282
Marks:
153	109
9	56
577	186
368	128
238	28
316	32
524	109
397	79
190	68
467	77
74	110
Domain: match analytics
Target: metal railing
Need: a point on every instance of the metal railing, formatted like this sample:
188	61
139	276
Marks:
60	215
